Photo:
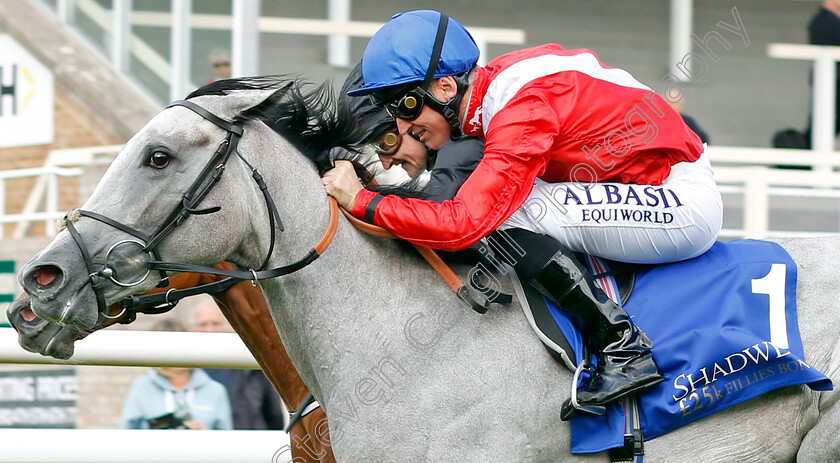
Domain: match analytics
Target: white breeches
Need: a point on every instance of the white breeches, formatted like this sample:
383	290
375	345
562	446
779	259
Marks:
674	221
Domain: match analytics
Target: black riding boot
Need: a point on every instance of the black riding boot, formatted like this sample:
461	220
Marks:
625	363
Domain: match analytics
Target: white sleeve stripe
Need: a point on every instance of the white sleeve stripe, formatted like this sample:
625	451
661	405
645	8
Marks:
508	83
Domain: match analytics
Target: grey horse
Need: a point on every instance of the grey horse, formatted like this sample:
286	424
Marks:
405	370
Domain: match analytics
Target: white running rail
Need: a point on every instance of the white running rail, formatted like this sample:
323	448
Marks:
142	348
143	446
130	348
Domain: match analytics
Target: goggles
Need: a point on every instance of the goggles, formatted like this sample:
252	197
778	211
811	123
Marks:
388	142
409	106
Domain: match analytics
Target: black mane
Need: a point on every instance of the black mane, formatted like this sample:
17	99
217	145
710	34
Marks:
310	117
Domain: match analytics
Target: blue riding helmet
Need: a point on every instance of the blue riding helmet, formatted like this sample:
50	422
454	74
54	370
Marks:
400	51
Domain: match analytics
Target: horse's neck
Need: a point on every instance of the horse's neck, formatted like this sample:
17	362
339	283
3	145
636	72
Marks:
319	310
350	306
324	312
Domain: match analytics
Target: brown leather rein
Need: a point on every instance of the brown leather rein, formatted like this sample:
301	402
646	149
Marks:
441	267
429	254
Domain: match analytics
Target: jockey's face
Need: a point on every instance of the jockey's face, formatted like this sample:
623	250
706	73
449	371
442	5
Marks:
411	155
430	127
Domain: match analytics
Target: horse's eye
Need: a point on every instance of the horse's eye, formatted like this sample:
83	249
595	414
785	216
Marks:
159	160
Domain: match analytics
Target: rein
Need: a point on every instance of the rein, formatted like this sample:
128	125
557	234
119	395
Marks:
254	275
164	302
442	268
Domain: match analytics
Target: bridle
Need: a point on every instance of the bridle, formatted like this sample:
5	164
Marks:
200	188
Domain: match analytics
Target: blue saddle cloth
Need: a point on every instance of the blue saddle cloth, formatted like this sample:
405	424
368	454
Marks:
724	330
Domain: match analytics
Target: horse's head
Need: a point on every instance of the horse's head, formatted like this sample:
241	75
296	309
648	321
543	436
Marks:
45	337
164	190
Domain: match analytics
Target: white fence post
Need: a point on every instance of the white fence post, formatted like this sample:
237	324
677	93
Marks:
52	202
65	9
338	46
756	204
180	49
245	38
120	35
680	36
822	134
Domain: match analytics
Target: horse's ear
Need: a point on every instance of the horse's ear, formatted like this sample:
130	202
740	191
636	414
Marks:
245	101
262	108
241	104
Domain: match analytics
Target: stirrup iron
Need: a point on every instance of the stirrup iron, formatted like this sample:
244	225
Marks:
571	407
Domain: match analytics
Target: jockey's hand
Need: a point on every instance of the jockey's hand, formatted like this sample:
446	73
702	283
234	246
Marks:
342	183
194	424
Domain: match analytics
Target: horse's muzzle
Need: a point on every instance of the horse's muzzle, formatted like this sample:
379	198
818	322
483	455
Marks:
23	319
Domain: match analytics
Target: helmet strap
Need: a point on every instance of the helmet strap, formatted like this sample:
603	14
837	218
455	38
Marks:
436	51
449	109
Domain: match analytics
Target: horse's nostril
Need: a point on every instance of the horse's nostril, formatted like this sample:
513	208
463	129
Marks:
45	275
28	315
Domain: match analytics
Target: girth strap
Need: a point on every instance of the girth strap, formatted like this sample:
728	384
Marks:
302	411
633	450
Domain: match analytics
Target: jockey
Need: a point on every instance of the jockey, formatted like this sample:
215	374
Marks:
578	157
448	167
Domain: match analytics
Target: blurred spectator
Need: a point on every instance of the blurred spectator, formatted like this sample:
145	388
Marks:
255	403
175	398
220	62
824	29
689	121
